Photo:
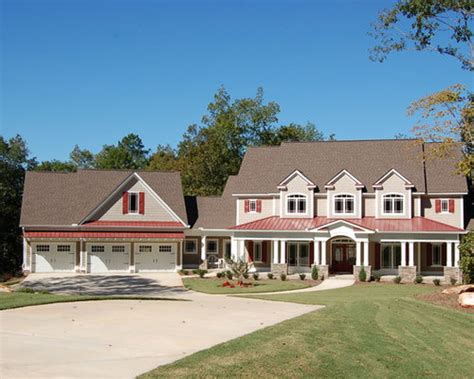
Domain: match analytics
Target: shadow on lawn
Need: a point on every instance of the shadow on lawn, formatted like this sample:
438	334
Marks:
103	285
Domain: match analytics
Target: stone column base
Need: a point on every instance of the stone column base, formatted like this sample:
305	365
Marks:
407	273
368	272
323	271
279	268
452	272
203	265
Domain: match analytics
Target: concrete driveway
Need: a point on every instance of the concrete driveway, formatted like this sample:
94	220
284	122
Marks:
146	284
124	338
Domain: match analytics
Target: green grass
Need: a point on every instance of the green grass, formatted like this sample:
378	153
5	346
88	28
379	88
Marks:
214	286
11	300
376	330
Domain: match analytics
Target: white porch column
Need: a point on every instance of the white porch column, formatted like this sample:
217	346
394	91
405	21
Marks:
366	253
411	253
323	253
233	248
456	254
275	251
403	249
316	259
25	254
283	252
449	254
203	248
358	253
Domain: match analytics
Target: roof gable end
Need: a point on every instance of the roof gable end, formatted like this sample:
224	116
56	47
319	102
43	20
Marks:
379	183
340	174
282	185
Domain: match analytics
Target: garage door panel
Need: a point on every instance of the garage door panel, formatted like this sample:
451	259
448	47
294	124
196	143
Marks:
55	257
155	257
108	257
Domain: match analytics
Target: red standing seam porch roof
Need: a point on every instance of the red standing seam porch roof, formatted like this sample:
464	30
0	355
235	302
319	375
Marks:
415	224
141	224
82	234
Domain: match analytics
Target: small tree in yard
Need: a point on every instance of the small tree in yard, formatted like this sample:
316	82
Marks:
466	262
362	275
240	269
314	273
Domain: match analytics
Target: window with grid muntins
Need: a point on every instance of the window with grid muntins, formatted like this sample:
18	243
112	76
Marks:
165	249
190	247
118	249
145	249
42	248
97	248
64	248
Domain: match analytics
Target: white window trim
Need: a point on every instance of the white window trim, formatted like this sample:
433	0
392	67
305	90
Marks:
252	201
393	213
441	206
305	197
259	243
334	198
440	245
195	244
138	202
217	246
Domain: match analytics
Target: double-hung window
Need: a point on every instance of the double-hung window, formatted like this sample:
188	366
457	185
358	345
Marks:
393	203
296	204
344	204
133	202
190	247
212	247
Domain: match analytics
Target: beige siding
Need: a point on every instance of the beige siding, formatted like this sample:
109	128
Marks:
154	211
297	186
394	184
428	210
345	185
320	208
267	211
368	209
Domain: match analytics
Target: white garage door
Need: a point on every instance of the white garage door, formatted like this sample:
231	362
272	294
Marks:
51	257
106	257
155	257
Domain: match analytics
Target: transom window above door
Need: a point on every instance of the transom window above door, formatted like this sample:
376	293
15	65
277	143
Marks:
344	204
393	203
296	204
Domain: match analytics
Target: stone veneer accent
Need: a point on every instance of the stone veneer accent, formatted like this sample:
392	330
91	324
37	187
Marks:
323	271
452	272
279	268
407	273
203	265
368	271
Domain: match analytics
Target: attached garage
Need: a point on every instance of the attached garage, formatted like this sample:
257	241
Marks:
54	257
155	257
108	257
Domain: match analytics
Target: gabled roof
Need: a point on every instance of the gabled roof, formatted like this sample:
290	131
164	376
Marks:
63	199
332	182
282	185
379	183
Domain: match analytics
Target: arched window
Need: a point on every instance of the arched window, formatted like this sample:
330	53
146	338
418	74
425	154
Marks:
393	203
296	204
344	204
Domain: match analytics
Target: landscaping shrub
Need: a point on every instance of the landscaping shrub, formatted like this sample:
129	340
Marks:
436	282
183	272
219	275
302	276
25	290
283	276
195	271
270	275
229	275
322	277
376	277
314	273
245	275
397	279
362	274
201	273
453	281
418	279
255	276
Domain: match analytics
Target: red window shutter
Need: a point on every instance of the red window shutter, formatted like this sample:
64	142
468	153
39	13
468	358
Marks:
141	205
125	203
377	256
250	249
444	254
264	251
429	254
311	254
451	205
438	206
247	206
259	206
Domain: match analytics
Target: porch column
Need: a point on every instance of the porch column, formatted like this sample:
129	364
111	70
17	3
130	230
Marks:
82	254
456	254
323	253
233	248
366	253
25	254
411	254
449	254
316	259
403	246
358	253
283	252
275	251
203	248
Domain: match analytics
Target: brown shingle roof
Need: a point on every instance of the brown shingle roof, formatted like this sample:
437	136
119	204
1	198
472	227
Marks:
51	198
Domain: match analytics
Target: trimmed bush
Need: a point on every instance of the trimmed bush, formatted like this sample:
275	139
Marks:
255	276
220	275
322	277
362	274
436	282
183	272
201	273
195	271
25	290
397	279
283	276
270	275
453	281
245	275
229	275
418	279
302	276
376	277
314	273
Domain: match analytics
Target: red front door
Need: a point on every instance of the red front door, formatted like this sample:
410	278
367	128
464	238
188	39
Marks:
343	257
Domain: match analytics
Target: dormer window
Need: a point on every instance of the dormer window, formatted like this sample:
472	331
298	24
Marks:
132	202
252	205
344	204
296	204
393	203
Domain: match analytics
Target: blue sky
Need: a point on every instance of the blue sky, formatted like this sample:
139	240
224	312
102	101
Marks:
90	72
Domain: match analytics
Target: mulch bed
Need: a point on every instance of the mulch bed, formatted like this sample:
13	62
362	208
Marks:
449	301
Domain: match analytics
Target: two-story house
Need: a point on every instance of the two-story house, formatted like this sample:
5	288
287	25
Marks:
339	205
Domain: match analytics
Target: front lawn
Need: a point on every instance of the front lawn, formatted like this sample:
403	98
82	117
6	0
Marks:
10	300
378	330
214	285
